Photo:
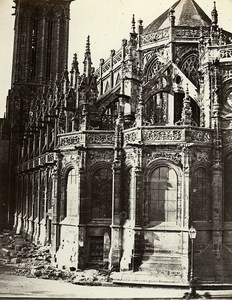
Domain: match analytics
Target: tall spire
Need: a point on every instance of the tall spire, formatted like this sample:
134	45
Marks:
87	59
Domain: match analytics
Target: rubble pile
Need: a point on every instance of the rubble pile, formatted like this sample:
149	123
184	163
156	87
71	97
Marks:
31	260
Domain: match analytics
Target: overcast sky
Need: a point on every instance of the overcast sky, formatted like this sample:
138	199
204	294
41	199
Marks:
106	21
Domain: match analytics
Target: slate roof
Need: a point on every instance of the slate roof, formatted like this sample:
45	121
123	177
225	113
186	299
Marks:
187	13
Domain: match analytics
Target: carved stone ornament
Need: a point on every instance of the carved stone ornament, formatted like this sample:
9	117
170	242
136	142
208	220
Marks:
199	155
162	135
176	157
201	136
97	155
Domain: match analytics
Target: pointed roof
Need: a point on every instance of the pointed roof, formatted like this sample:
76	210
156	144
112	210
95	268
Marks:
187	13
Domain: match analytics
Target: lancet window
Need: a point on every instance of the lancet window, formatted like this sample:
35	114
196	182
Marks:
163	195
200	195
71	208
102	193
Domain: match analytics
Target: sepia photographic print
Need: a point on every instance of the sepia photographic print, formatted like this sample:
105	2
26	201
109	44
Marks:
116	149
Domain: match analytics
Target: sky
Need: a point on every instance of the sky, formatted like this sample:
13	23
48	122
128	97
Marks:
106	21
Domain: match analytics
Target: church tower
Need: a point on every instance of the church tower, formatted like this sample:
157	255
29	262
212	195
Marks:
41	40
40	55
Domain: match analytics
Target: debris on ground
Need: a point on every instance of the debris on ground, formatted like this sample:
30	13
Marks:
32	260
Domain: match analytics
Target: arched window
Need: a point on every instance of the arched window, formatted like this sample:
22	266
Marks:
228	190
163	199
102	193
200	195
72	194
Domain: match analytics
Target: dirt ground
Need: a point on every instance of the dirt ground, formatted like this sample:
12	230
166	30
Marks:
22	257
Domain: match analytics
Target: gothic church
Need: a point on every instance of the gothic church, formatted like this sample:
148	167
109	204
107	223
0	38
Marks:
113	166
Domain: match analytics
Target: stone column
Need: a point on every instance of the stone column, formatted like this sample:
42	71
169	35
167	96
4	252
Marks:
184	215
55	209
116	232
31	213
37	209
19	217
217	195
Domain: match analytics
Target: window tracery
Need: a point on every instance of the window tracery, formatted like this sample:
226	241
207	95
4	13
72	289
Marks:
153	68
190	67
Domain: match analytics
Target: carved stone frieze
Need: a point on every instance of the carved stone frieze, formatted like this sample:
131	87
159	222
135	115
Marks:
155	36
162	135
70	140
191	32
98	155
201	155
100	138
130	137
176	157
201	136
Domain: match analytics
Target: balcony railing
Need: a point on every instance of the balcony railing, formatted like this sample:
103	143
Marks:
180	134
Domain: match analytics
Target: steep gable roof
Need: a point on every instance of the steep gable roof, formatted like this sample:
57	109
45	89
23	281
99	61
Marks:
187	13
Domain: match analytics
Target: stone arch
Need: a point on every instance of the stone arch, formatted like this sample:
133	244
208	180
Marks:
64	182
154	165
127	189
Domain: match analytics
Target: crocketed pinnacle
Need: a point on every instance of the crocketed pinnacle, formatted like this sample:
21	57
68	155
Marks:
133	24
214	15
87	59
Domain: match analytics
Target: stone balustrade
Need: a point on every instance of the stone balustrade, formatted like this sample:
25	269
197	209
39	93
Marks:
174	134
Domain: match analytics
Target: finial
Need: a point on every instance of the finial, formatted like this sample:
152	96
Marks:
87	49
214	15
75	63
140	27
133	24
